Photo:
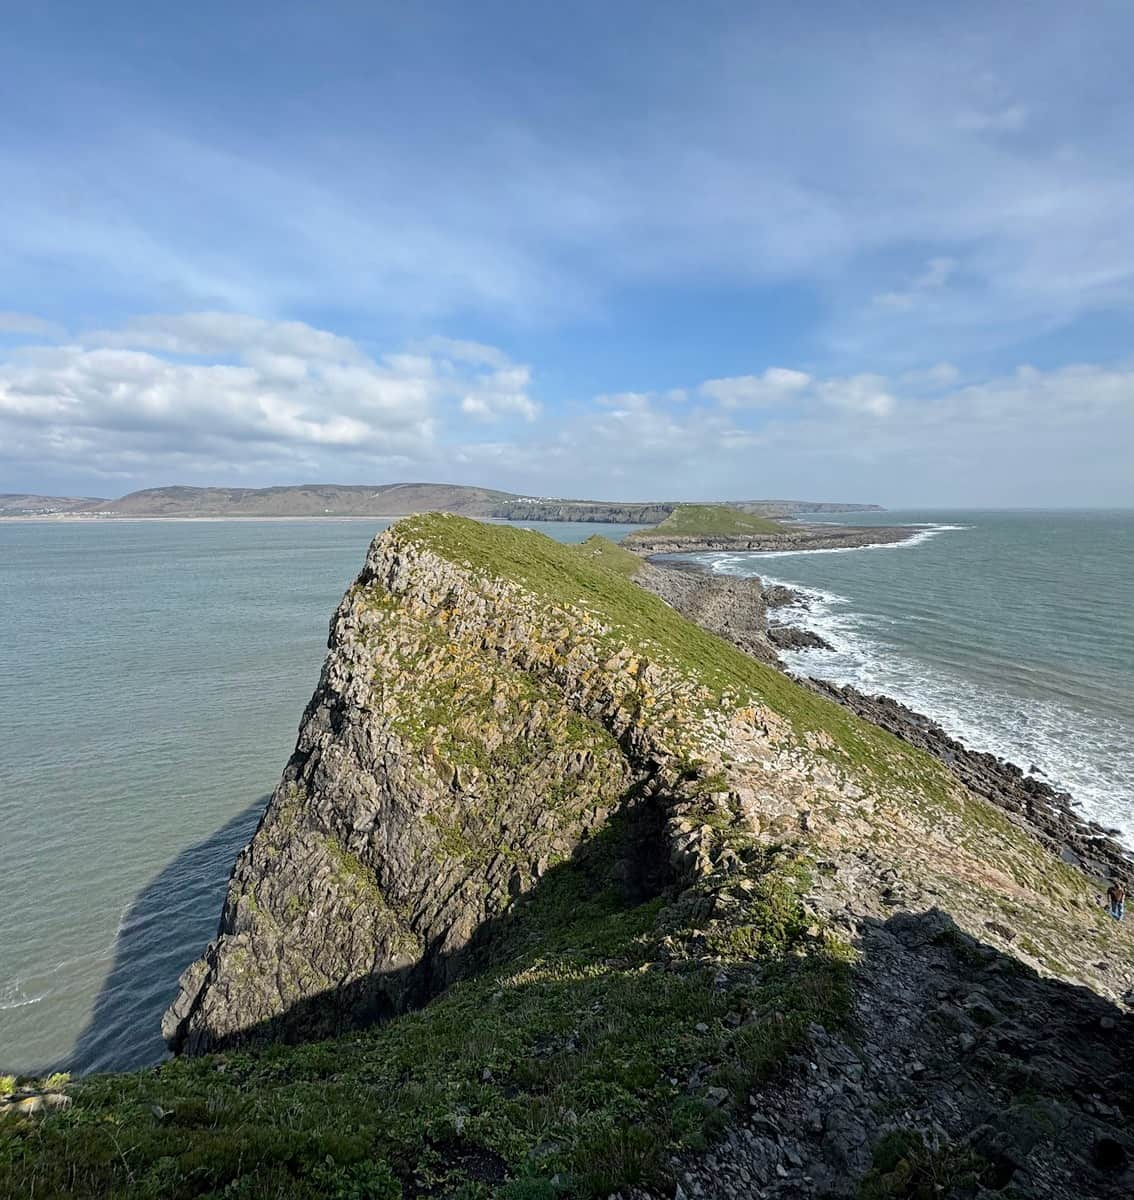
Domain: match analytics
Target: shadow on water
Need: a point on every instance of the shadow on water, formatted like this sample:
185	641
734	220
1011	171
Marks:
165	929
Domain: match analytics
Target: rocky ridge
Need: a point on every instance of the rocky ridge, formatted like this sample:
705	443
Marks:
798	537
689	929
424	870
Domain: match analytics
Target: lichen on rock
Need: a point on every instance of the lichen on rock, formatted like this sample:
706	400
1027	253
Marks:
598	904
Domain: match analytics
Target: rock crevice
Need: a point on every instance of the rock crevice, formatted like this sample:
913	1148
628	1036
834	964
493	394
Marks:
462	740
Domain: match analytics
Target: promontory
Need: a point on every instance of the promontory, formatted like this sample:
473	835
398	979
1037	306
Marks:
562	894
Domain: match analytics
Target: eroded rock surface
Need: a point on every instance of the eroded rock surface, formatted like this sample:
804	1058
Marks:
1047	813
471	729
802	537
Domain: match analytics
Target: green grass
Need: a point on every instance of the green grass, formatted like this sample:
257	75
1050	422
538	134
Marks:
704	520
575	1057
600	551
563	576
562	1068
906	1168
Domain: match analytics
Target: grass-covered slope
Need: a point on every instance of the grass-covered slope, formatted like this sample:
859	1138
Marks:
602	552
622	1011
559	1071
709	520
601	585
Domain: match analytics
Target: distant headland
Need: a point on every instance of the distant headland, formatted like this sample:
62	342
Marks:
380	500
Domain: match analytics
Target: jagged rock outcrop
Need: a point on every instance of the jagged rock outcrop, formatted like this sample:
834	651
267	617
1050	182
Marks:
776	595
803	537
727	605
792	637
712	934
468	732
434	778
464	737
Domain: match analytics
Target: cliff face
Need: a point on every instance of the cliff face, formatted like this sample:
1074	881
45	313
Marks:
464	737
476	719
683	926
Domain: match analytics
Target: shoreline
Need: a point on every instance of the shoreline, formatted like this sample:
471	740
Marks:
73	519
1048	814
799	540
329	519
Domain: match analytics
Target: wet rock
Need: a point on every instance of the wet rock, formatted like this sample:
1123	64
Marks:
792	637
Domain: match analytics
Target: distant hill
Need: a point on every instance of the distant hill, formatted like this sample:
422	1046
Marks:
382	500
305	500
19	504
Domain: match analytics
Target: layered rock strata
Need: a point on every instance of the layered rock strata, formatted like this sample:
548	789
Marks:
465	736
795	538
471	729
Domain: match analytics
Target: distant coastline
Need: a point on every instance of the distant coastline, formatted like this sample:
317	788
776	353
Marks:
385	501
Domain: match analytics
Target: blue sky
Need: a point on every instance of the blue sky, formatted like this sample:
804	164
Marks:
840	251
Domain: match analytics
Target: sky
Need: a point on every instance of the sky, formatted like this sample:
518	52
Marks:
877	252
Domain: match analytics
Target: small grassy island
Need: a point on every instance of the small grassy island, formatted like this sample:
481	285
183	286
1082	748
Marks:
562	896
711	520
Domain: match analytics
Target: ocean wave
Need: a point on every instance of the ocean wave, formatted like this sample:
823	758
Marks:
12	995
1083	754
926	530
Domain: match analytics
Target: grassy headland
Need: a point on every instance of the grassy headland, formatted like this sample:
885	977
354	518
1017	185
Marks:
607	1027
709	520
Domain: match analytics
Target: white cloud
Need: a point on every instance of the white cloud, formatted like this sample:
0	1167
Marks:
779	388
865	394
227	390
501	393
1028	437
935	274
474	353
25	323
294	402
217	333
938	376
776	386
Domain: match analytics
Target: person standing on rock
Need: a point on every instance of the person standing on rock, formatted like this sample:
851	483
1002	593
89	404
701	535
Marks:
1116	894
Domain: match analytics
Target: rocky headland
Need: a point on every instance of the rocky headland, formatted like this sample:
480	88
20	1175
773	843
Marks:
566	894
697	527
794	537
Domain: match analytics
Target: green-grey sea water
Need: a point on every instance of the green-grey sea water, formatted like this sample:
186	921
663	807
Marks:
152	677
1014	630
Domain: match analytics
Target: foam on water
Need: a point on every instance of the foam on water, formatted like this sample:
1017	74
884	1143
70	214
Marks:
1085	752
723	561
12	995
1080	756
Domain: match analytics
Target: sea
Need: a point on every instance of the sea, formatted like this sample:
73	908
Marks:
153	674
1013	630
